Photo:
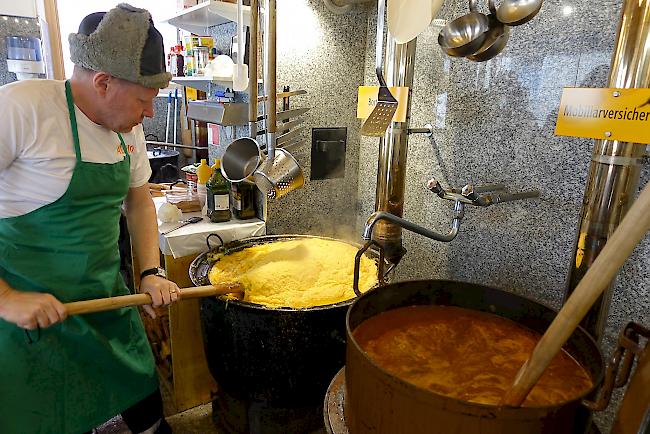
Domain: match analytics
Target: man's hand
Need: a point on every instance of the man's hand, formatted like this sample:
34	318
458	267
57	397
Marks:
30	310
161	290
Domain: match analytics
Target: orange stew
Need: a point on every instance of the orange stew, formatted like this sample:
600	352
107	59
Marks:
465	354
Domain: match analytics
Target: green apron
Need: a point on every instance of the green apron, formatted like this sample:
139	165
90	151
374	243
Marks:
80	373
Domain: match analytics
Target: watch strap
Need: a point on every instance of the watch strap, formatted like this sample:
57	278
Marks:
151	272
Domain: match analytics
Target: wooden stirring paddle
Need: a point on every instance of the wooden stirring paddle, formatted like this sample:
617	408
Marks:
619	247
110	303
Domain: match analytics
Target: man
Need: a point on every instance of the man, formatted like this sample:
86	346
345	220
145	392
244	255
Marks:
70	154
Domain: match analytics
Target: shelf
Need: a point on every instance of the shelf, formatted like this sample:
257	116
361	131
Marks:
202	83
207	14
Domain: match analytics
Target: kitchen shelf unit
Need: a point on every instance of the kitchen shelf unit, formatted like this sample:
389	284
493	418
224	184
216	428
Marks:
198	18
203	83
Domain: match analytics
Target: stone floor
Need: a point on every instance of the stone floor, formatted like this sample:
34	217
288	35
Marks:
193	421
197	420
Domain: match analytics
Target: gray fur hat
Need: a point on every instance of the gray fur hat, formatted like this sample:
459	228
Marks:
122	42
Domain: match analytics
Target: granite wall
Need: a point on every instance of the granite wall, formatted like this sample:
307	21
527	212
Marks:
323	54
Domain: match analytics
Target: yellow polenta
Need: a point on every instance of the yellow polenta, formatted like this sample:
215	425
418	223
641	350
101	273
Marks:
299	273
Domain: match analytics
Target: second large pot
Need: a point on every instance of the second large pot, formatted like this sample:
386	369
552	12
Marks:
282	357
379	403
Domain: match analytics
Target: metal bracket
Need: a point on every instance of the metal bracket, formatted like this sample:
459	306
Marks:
471	194
428	130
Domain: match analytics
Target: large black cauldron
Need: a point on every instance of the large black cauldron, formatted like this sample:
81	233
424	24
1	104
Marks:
276	358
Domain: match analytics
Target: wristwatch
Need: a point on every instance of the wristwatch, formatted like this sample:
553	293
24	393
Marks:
155	271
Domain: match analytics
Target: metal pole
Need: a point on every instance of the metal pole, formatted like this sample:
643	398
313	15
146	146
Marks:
615	166
391	174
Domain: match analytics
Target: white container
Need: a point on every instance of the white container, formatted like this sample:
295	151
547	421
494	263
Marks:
202	192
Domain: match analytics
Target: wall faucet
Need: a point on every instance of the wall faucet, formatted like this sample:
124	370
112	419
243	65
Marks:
459	213
468	195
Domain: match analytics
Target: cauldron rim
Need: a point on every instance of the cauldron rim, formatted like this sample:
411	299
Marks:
460	402
238	245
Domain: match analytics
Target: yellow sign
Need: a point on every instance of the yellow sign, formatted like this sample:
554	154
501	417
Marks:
614	114
368	100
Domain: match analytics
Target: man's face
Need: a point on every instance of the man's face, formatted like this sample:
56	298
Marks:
126	104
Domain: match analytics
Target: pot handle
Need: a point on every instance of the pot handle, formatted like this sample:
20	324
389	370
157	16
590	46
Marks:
207	241
620	364
357	265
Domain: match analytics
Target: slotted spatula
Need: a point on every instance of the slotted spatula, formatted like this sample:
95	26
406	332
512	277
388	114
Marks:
381	116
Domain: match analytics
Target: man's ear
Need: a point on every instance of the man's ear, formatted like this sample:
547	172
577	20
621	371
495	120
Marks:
101	81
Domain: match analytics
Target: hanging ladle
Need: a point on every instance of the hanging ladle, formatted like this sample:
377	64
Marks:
517	12
495	38
465	35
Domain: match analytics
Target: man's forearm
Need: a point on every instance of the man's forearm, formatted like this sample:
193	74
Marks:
143	227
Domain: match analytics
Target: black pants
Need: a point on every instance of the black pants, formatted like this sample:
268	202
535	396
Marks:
144	414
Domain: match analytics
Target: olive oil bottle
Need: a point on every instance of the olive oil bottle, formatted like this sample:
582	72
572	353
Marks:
218	192
243	200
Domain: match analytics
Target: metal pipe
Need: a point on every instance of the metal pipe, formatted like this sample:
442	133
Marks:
172	145
399	65
270	82
382	216
252	69
615	166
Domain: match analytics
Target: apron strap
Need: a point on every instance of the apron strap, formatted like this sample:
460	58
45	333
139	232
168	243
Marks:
73	125
73	120
126	152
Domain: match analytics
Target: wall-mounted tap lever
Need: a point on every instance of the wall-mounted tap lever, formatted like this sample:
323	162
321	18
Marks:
471	194
479	195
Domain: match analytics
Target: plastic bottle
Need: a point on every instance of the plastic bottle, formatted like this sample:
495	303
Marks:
218	191
203	173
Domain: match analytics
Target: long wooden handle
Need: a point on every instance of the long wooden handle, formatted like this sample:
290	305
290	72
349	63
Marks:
607	264
272	83
110	303
252	63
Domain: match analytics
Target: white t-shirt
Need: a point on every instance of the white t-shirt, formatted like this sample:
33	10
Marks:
37	154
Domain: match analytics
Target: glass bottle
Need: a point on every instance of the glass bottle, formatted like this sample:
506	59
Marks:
180	61
201	60
218	192
243	200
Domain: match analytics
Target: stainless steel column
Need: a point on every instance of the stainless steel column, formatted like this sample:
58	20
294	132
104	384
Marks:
393	147
615	166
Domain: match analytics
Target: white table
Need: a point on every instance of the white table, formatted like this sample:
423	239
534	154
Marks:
190	239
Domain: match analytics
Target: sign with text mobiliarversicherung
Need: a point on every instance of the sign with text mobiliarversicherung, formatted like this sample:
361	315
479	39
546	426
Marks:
613	114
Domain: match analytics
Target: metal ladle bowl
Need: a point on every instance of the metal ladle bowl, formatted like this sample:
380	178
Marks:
517	12
495	40
240	159
465	35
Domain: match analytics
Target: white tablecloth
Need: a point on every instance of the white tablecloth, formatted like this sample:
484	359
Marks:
190	239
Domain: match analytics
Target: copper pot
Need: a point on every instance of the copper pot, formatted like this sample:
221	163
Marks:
378	402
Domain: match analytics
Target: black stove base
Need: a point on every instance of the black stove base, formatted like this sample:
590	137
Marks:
234	416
